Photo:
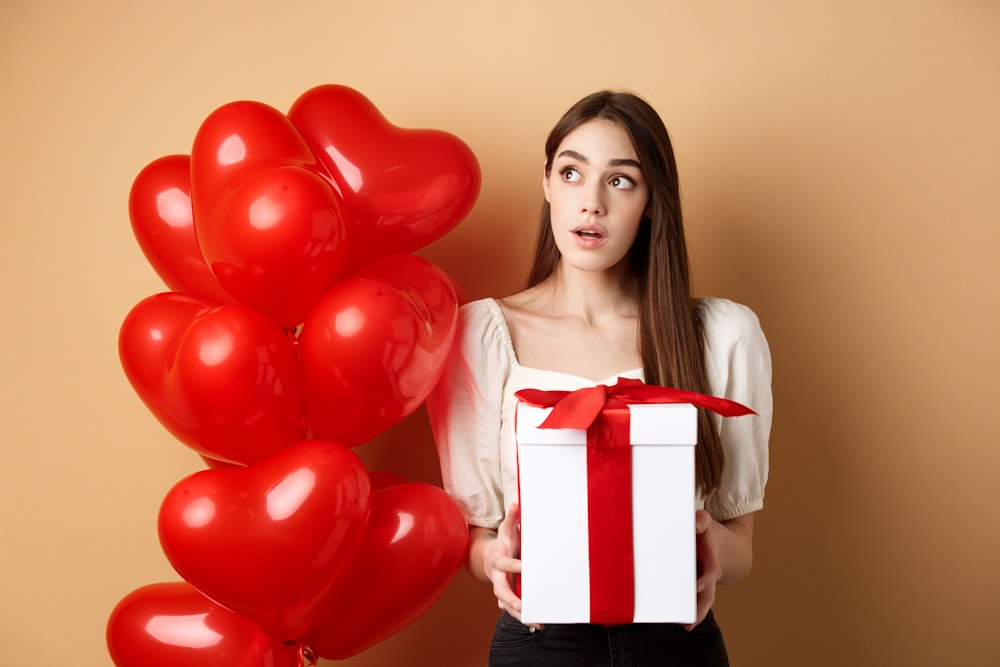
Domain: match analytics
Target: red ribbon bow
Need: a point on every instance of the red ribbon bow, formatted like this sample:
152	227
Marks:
603	412
579	408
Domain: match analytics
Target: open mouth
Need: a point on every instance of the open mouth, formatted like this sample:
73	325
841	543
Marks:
589	233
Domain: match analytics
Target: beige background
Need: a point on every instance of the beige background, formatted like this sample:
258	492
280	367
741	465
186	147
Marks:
840	175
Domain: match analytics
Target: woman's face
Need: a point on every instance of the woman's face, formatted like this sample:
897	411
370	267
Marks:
597	195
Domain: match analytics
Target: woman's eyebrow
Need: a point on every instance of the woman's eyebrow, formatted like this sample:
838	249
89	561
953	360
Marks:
574	155
624	162
615	162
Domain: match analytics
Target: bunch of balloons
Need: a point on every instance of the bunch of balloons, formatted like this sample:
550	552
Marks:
298	325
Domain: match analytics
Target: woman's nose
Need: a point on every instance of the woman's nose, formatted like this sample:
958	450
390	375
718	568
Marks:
592	202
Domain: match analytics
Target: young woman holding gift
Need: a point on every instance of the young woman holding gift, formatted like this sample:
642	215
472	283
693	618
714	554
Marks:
608	296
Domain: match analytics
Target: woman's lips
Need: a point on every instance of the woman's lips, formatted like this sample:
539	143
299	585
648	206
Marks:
589	236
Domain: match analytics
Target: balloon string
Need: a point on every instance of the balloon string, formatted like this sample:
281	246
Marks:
309	656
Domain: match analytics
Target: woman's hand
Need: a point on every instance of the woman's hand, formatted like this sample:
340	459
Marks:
496	553
709	567
725	555
501	562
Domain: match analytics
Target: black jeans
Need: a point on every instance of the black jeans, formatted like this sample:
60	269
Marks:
657	644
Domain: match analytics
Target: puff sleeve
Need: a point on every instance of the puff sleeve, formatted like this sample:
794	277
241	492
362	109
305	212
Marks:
738	362
465	415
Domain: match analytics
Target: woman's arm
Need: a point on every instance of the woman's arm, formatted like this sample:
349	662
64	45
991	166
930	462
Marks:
725	556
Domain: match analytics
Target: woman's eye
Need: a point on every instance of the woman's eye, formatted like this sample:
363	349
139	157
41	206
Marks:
570	174
622	182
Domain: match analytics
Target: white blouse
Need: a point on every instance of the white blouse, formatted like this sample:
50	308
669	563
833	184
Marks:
472	409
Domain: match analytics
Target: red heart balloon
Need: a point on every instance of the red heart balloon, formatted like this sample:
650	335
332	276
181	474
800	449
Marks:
267	216
160	211
267	541
374	346
224	380
414	544
236	140
401	188
147	344
171	624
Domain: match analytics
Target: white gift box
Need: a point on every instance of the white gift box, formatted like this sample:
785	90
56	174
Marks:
552	469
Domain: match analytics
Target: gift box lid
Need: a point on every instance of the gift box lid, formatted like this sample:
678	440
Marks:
649	423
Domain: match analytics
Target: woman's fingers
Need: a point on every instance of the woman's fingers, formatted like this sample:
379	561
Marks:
506	597
503	564
709	567
702	521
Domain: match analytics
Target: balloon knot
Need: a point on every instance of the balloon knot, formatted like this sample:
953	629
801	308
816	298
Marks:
292	334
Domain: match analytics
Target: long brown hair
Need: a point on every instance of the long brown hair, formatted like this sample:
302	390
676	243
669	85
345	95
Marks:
671	339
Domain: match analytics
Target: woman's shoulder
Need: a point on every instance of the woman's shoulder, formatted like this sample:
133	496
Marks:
479	309
524	308
483	326
720	313
727	322
527	301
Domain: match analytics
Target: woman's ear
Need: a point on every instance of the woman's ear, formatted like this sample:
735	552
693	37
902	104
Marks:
545	184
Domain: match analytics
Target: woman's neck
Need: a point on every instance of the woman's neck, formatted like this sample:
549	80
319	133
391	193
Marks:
591	296
578	323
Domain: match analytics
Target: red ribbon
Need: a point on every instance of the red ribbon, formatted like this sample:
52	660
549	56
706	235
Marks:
603	412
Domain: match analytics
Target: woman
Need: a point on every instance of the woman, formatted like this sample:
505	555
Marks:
608	296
